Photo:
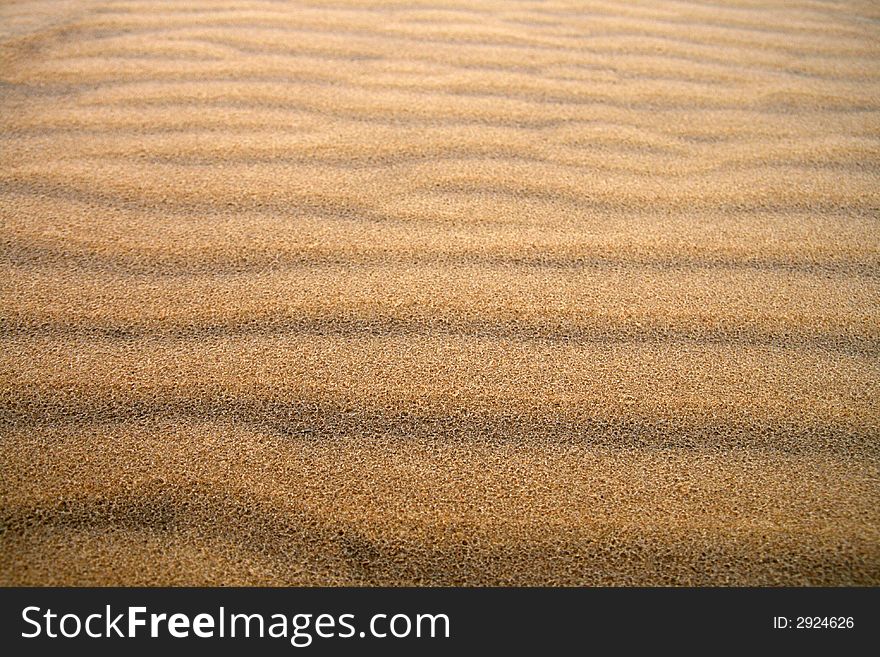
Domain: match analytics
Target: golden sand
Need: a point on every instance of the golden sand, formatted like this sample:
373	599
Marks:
440	293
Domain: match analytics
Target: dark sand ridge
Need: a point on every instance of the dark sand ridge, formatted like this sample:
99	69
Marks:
557	293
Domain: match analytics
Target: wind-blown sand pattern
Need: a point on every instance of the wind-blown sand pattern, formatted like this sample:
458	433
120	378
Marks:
440	293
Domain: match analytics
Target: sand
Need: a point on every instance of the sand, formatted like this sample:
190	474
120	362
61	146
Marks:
440	293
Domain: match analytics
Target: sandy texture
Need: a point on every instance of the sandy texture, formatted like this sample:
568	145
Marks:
440	293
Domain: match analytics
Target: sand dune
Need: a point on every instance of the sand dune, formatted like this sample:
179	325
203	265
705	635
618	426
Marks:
440	293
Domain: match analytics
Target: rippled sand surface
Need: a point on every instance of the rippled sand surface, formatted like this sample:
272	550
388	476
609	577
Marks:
440	293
